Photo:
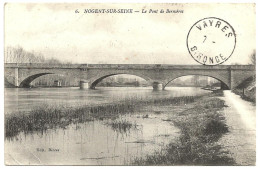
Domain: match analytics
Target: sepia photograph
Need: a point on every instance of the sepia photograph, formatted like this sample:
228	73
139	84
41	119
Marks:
129	84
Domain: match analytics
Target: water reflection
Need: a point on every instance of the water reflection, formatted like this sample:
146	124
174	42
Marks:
94	142
22	99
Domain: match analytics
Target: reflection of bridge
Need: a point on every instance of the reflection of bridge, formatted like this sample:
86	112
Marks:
21	75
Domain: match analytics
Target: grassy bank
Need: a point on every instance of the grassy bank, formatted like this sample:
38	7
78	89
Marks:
46	117
248	95
247	90
201	127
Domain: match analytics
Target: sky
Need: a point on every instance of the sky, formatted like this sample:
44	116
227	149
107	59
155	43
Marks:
56	31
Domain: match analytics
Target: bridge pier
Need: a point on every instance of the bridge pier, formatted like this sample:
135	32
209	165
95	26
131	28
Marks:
16	83
21	75
157	86
83	85
223	86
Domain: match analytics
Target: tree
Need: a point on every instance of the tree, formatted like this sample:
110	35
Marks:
14	55
52	61
19	55
253	58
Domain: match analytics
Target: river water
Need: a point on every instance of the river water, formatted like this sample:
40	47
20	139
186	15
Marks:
95	142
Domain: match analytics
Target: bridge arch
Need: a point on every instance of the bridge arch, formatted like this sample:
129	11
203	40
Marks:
26	76
94	82
231	75
26	82
224	84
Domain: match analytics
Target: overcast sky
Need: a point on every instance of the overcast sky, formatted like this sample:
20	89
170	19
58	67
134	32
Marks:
57	31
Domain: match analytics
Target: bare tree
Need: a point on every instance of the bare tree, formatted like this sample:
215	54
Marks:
253	58
15	55
53	61
19	55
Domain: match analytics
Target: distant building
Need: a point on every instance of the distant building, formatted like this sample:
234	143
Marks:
212	81
200	81
57	83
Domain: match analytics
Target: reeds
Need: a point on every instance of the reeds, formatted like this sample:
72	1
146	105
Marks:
47	117
201	127
122	126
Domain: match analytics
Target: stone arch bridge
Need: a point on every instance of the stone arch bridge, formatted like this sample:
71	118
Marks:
21	75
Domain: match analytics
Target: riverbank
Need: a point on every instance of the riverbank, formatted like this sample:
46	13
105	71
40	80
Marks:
241	139
198	118
247	90
201	124
47	117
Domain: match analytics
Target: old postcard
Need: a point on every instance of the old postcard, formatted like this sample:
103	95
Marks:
130	84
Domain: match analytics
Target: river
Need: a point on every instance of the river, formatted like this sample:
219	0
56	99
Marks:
24	99
90	143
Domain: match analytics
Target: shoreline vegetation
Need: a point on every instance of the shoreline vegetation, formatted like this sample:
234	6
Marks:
50	117
201	124
247	90
247	95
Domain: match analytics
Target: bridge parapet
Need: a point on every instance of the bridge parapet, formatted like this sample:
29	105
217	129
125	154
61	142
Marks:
125	66
231	75
244	67
40	65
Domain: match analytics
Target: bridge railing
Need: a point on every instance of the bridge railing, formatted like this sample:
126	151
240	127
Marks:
123	66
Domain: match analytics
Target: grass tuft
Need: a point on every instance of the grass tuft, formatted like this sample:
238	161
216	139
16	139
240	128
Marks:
122	126
47	117
201	127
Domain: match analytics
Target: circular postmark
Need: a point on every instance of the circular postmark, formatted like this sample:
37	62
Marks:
211	41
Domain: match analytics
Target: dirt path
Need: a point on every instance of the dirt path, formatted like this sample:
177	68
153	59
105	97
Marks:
241	118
